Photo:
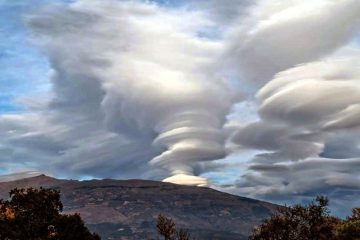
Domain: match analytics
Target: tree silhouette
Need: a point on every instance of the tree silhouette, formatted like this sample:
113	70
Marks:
166	227
310	222
34	214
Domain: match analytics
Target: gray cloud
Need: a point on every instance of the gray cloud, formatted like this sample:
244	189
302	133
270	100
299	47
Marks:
302	180
223	11
301	155
130	81
313	95
308	123
138	91
277	35
284	142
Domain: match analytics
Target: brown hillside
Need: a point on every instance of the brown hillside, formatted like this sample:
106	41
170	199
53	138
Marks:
127	209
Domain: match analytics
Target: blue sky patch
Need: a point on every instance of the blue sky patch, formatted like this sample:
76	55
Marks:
23	68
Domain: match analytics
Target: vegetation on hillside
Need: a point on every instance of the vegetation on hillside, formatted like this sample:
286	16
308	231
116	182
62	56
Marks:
310	222
35	214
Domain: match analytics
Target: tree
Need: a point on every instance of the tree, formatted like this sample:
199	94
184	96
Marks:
166	227
34	214
350	228
310	222
70	227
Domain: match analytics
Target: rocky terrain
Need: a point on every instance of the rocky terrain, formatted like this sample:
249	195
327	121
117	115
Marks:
127	209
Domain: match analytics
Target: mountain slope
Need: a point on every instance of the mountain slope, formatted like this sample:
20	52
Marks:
127	209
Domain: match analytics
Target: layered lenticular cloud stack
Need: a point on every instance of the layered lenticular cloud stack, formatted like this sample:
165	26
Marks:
143	89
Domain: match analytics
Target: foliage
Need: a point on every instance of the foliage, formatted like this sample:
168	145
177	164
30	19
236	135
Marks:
166	227
34	214
350	228
310	222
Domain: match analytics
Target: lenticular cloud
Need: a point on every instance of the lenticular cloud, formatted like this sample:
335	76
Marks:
143	90
155	78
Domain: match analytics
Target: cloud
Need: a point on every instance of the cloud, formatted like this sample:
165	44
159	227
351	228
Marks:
149	90
277	35
307	96
302	180
305	151
222	11
284	142
130	81
329	89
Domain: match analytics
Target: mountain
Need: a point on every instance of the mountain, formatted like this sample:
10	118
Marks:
127	209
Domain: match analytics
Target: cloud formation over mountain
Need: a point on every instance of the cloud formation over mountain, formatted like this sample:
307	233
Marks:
142	89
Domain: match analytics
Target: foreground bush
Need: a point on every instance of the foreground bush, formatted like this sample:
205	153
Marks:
310	222
34	214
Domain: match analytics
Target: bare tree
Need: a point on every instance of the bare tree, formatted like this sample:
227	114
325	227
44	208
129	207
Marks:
166	227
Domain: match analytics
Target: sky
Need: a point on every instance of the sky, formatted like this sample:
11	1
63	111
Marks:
255	98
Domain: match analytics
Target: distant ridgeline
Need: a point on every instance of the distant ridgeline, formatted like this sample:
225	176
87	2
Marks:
117	209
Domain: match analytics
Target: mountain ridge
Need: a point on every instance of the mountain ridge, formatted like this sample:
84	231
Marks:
127	209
